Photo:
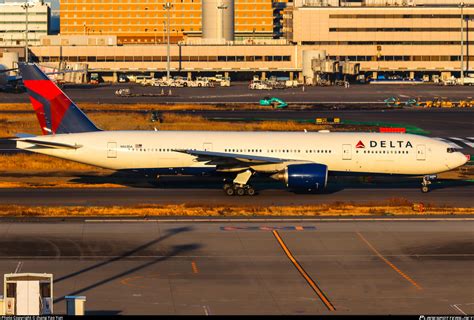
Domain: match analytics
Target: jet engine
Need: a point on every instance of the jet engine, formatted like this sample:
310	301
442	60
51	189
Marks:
307	176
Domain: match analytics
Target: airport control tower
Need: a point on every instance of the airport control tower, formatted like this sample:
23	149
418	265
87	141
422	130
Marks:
217	21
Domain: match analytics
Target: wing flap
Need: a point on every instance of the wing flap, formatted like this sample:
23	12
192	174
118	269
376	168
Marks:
216	157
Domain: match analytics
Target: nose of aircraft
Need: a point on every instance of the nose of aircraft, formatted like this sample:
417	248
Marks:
462	158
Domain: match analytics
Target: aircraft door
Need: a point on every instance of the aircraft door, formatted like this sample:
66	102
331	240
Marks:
112	150
346	152
421	152
207	146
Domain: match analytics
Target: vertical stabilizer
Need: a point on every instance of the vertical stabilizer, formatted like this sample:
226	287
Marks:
55	111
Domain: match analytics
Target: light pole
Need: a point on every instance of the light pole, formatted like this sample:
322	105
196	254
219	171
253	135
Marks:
25	6
462	42
164	30
167	6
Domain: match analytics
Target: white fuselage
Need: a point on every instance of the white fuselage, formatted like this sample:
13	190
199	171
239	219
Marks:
384	153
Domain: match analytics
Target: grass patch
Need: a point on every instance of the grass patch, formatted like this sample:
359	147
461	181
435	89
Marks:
334	209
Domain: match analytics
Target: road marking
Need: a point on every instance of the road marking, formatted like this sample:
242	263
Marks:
126	282
266	228
18	267
195	268
416	285
456	307
206	310
452	144
469	143
308	279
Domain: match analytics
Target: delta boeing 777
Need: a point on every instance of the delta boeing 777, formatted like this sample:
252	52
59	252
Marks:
302	160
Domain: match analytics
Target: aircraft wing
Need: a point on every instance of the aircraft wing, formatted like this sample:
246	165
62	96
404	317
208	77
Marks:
225	158
50	144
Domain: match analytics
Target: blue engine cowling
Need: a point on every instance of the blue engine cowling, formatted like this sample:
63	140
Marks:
308	176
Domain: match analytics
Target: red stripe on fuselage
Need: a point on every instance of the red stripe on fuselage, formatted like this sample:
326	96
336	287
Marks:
58	102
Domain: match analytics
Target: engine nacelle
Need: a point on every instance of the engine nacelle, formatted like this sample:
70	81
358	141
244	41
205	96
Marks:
307	176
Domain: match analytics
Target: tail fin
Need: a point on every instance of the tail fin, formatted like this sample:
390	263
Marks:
55	111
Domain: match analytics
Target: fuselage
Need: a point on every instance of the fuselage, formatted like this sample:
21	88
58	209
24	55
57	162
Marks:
348	152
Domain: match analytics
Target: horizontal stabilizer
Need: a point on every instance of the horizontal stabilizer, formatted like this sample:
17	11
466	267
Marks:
25	135
50	144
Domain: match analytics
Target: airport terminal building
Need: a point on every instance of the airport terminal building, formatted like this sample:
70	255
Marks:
424	37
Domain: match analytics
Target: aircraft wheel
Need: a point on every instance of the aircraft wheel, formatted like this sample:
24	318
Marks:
425	189
240	191
227	186
250	191
229	191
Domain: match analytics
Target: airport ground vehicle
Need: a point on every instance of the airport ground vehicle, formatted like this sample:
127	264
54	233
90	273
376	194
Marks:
259	85
220	80
143	80
123	78
302	160
468	80
94	78
275	102
203	82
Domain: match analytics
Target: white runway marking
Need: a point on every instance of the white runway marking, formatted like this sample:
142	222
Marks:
206	310
466	142
455	306
18	267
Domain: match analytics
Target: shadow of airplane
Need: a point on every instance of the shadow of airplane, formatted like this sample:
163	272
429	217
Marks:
335	184
176	250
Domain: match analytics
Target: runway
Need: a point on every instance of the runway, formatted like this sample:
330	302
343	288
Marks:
366	267
459	195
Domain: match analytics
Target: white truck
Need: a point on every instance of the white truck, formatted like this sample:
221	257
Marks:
259	85
468	80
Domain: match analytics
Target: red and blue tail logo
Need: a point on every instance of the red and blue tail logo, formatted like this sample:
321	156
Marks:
55	111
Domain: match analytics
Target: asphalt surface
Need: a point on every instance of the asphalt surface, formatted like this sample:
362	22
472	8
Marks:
365	267
198	193
239	93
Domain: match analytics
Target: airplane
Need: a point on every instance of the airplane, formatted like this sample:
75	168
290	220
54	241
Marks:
302	160
7	81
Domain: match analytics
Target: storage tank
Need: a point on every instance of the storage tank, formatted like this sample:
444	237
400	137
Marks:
218	20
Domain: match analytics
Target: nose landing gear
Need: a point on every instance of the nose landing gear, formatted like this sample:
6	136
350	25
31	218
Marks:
425	183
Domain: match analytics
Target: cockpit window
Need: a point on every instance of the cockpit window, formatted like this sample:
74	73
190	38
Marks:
451	150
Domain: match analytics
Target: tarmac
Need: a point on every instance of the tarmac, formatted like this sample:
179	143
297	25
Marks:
185	191
240	93
223	268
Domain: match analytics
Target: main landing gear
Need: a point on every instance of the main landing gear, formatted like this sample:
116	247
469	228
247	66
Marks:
239	186
425	183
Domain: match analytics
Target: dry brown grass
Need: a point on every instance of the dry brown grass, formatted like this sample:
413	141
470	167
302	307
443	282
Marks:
39	162
12	123
137	106
219	211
